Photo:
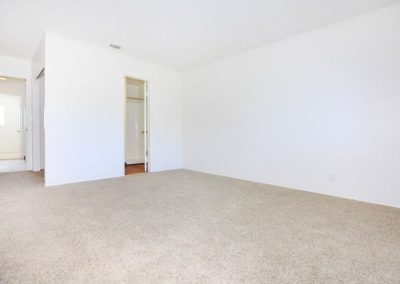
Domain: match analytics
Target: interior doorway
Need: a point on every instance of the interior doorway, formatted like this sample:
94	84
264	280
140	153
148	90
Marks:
12	125
136	132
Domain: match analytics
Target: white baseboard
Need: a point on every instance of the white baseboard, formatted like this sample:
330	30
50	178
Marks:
134	161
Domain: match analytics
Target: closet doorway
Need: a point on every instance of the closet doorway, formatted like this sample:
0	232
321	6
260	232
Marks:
136	151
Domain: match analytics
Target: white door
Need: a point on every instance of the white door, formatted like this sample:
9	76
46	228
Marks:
10	127
135	131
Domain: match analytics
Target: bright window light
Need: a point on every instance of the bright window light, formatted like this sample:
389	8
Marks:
2	116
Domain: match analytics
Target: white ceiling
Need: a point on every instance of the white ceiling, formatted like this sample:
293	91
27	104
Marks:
176	33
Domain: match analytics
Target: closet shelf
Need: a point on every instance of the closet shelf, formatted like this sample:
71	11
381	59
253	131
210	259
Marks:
131	98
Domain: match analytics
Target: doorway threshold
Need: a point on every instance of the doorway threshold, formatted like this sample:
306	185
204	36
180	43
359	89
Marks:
134	169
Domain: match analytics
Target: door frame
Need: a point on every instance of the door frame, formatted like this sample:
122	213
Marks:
147	161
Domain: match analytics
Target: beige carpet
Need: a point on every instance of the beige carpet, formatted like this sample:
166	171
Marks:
187	227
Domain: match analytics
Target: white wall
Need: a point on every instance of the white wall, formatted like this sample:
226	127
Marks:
38	59
318	112
84	121
11	86
21	69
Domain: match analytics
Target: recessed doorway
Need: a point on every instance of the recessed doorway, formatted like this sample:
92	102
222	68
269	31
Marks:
136	151
12	126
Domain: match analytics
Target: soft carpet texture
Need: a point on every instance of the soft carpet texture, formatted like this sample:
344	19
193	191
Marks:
188	227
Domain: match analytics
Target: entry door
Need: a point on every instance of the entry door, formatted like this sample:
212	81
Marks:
10	127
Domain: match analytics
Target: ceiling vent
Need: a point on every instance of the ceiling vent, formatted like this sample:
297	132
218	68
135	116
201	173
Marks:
115	46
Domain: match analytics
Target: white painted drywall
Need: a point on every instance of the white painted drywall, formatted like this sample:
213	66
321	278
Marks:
84	122
319	111
21	69
38	59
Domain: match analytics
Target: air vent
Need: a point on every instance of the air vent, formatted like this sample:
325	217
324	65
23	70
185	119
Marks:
115	46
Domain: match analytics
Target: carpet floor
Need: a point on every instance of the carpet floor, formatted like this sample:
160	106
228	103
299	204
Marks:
189	227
